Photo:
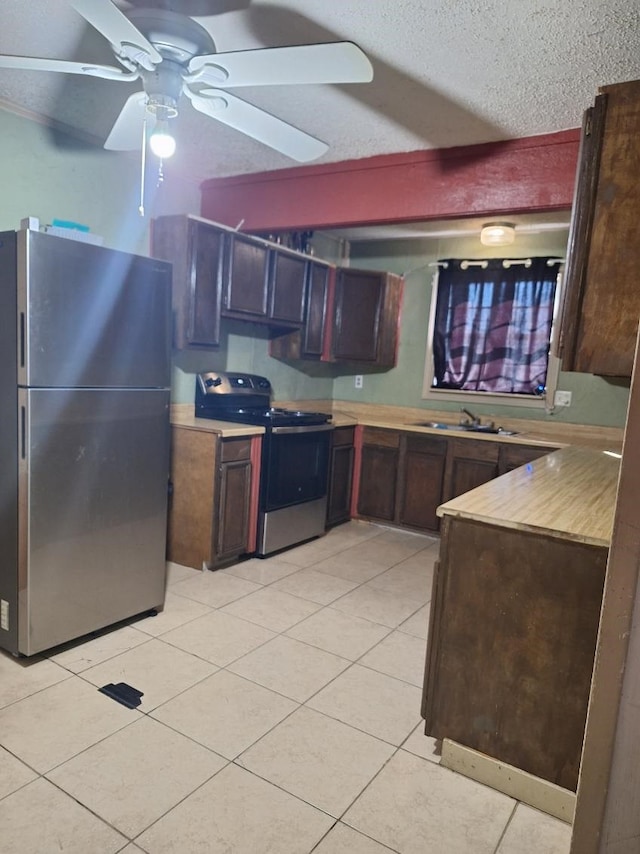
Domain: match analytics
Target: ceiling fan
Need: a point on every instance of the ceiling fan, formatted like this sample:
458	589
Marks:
173	55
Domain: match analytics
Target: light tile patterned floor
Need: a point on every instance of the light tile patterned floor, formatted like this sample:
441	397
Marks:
281	715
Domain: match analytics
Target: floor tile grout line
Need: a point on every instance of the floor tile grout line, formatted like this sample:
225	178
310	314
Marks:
506	827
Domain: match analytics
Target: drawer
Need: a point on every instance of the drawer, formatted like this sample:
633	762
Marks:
235	449
343	436
475	449
425	444
379	436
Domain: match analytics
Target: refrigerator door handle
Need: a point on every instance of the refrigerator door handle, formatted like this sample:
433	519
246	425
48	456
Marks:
23	432
22	339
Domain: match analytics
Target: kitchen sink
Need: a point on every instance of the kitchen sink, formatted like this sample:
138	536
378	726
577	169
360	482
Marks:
467	428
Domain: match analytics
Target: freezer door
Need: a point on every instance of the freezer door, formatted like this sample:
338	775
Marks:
91	317
93	476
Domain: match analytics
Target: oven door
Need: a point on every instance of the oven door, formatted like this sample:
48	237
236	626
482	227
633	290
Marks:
295	465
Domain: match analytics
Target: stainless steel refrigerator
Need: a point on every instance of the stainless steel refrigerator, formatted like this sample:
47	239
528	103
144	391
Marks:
84	437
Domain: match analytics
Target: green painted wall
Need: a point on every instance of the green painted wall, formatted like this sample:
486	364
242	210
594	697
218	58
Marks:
595	400
47	178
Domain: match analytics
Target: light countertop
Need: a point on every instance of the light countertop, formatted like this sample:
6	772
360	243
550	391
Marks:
182	416
570	494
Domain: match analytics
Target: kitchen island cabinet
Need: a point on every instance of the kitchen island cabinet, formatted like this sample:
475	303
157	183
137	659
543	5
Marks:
601	303
515	610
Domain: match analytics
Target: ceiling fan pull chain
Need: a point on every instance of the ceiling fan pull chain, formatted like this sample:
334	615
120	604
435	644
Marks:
143	164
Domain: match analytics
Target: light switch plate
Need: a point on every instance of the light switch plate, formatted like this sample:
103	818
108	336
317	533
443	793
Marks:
562	398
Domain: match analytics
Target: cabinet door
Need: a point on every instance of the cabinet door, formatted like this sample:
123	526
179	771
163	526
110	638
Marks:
378	474
359	300
246	278
287	287
421	482
234	493
316	314
608	306
469	464
196	251
340	476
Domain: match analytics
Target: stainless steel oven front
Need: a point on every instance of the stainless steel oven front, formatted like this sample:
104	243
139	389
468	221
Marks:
293	485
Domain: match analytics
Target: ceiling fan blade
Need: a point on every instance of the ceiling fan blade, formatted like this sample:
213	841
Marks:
126	38
337	62
126	133
258	124
34	63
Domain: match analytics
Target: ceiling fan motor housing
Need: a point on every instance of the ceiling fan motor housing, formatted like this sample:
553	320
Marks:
163	86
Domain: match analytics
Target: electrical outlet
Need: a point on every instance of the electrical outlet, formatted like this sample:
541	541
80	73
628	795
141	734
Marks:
359	379
562	398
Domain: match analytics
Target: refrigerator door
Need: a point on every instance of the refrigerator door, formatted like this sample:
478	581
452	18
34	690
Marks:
93	477
91	317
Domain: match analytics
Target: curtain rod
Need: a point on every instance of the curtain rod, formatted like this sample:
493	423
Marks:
506	263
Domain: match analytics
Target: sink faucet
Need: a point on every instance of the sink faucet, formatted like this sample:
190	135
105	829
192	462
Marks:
475	421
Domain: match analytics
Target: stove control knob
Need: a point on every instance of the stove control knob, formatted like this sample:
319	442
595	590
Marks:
212	383
263	383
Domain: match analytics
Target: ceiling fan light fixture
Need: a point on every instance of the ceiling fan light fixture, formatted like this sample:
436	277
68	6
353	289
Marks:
497	234
161	142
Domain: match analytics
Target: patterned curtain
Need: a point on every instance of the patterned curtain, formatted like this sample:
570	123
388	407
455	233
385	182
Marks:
492	326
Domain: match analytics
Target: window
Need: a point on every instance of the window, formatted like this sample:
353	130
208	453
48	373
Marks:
490	331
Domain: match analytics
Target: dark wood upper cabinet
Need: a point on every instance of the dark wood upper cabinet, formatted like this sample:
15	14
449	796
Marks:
287	280
196	251
246	278
601	304
359	303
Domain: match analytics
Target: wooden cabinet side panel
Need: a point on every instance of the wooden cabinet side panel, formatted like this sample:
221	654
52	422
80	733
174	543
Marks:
190	522
340	479
611	304
205	284
389	335
170	242
580	231
316	315
517	632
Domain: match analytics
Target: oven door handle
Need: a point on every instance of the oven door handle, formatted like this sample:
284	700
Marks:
302	428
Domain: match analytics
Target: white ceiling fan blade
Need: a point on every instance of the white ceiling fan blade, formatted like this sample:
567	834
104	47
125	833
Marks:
258	124
34	63
118	30
337	62
126	133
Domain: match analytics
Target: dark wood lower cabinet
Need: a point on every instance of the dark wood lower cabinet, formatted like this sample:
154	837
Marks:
340	476
421	481
378	474
209	511
513	627
470	463
232	500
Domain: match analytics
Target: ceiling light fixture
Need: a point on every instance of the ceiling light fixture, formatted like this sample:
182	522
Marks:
497	234
161	143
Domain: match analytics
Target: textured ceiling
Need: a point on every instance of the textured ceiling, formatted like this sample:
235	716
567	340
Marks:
445	73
